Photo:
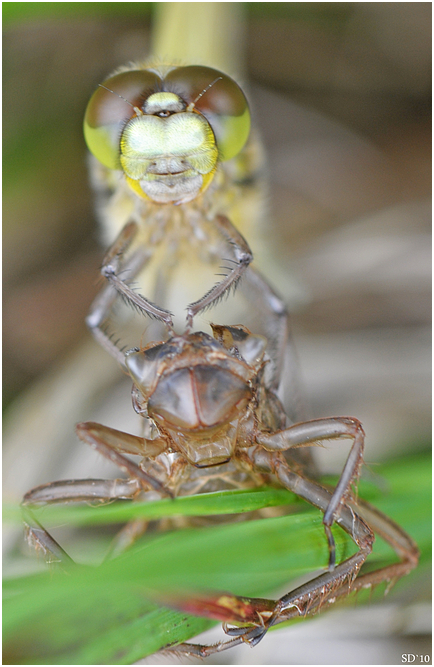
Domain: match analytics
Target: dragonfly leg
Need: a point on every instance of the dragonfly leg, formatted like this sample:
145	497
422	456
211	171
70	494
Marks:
395	536
243	257
309	597
74	490
363	514
290	605
112	444
315	430
276	317
281	345
113	270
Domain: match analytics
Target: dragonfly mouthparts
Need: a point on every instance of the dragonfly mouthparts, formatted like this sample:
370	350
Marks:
168	166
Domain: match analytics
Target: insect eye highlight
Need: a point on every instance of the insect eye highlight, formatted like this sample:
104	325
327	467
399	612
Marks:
223	104
111	107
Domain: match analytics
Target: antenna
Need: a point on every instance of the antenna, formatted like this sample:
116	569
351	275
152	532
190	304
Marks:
138	111
192	104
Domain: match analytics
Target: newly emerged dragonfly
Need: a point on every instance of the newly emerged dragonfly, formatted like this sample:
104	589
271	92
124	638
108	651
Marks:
177	177
216	423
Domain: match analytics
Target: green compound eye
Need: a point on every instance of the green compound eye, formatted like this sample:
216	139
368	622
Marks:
107	114
219	99
201	90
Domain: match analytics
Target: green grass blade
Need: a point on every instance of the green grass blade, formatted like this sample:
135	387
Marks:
65	617
105	615
220	502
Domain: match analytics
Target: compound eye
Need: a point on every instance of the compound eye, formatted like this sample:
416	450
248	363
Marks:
107	113
223	104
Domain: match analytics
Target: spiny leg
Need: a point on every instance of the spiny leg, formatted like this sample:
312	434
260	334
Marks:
271	304
304	599
403	545
243	256
264	613
355	518
112	269
275	314
315	430
74	490
330	586
290	606
112	444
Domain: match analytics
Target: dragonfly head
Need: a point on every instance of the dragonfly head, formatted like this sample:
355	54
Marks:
167	132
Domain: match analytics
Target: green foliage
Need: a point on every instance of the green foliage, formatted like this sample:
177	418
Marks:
221	502
22	12
110	613
327	13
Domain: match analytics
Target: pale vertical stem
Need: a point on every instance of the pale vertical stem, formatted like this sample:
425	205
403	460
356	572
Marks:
208	33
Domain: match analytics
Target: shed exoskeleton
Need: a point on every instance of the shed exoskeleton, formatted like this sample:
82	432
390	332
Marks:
211	416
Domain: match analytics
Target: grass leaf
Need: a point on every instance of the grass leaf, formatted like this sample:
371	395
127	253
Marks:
110	614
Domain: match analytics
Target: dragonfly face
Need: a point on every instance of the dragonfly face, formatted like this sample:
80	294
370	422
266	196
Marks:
167	128
195	390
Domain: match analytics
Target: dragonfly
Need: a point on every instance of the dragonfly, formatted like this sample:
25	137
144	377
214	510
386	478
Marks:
216	421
